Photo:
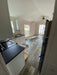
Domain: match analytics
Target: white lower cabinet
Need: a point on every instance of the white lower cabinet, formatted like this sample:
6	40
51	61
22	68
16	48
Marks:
17	64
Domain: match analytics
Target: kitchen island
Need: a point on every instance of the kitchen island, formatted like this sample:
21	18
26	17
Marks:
14	59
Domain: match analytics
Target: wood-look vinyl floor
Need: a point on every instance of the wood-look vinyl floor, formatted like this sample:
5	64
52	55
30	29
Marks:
34	50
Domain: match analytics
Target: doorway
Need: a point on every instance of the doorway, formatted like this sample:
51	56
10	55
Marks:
27	30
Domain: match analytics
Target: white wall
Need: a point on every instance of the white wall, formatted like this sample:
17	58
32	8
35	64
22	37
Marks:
32	29
21	24
5	28
37	26
50	62
34	26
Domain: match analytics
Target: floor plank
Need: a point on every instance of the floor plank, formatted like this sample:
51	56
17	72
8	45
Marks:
34	50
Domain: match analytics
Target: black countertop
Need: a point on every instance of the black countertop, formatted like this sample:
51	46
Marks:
11	53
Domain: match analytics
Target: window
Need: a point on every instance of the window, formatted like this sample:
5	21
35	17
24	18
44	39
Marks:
12	27
41	29
17	26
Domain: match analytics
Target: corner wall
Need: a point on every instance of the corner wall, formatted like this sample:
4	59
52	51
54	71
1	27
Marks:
50	62
5	28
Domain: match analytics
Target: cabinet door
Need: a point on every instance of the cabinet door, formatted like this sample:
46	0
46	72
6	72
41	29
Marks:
17	64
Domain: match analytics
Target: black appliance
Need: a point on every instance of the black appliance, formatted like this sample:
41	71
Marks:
6	44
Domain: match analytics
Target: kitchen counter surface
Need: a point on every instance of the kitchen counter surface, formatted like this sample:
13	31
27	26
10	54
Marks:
11	53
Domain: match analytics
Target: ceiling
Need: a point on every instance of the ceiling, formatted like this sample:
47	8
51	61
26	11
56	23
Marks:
31	10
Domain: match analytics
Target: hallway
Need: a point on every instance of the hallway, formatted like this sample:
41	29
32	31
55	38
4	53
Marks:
34	50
